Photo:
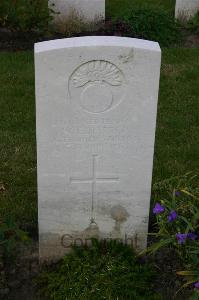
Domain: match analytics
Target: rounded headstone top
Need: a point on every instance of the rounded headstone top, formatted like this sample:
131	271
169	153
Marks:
89	41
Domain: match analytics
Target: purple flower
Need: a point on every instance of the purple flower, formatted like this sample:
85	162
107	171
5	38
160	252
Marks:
158	209
172	216
193	236
196	285
177	193
181	238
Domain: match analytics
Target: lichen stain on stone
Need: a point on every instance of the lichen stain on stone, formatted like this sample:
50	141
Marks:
120	215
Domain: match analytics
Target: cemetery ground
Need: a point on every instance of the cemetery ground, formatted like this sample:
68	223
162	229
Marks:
175	174
176	136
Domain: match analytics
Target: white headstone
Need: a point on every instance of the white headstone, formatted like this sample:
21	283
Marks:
185	9
96	101
88	9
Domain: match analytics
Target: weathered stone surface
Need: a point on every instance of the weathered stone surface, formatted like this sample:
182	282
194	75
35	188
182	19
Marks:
89	9
185	9
96	101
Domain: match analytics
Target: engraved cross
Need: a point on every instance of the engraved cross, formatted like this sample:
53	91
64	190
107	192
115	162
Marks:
94	180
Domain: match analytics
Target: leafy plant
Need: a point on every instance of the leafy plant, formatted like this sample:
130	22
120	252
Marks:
111	272
153	24
193	24
25	15
178	228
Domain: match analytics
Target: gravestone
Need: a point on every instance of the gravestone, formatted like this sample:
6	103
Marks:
89	10
96	102
185	9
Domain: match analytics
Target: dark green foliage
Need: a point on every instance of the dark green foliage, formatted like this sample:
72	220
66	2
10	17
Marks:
105	271
148	19
120	8
193	24
25	15
153	24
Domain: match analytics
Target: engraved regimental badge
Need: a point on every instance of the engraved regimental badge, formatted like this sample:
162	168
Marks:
98	84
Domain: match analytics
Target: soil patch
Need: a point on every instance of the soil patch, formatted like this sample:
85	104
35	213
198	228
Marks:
17	279
17	41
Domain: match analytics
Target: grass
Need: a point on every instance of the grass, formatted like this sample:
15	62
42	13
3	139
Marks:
105	271
177	140
17	132
120	8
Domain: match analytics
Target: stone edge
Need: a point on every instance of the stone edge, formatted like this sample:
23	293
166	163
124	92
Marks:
92	41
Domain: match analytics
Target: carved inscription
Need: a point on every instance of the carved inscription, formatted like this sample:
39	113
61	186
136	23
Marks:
95	136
